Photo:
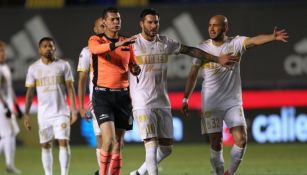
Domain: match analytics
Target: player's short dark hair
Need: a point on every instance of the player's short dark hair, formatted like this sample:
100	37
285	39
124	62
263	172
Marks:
149	11
45	39
109	10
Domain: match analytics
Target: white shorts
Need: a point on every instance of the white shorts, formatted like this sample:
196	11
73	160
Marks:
212	121
8	126
154	123
96	127
55	128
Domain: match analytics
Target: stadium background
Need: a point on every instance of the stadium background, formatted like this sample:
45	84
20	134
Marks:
274	76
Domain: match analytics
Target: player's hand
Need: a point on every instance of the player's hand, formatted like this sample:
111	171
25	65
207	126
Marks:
280	35
135	69
228	60
82	112
7	112
85	114
185	108
127	41
26	122
73	117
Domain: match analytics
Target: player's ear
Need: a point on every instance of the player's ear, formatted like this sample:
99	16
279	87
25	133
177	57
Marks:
226	28
141	23
104	22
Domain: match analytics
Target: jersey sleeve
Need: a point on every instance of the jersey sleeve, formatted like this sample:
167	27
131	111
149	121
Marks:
96	45
30	79
173	46
197	61
68	73
132	55
239	44
84	60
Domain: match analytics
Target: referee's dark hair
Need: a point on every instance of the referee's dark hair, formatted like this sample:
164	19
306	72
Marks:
45	39
109	10
149	11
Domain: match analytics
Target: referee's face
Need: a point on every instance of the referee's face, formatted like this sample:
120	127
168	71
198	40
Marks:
150	25
112	22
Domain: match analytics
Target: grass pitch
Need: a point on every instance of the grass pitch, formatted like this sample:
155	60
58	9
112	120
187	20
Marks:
187	159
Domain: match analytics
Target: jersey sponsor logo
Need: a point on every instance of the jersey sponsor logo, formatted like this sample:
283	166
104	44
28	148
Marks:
296	64
288	126
212	65
207	114
49	81
152	59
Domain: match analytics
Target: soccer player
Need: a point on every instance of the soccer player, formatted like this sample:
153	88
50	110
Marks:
151	105
51	76
221	91
8	125
84	68
113	57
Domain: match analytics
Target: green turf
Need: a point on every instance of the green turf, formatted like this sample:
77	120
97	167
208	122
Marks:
187	159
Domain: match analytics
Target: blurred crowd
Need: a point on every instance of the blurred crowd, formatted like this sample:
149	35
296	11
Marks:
65	3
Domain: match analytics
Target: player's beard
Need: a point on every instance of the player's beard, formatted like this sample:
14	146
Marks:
49	55
218	37
151	33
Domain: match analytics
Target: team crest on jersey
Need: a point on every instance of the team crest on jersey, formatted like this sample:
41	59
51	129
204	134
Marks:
64	125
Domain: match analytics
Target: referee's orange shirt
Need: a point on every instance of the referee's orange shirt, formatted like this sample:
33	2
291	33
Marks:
110	67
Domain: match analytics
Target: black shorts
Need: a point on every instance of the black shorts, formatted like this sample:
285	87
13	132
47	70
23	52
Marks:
113	105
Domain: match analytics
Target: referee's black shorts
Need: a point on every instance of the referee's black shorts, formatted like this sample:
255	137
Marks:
113	105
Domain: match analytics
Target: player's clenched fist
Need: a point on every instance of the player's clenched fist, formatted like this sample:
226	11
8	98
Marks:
135	69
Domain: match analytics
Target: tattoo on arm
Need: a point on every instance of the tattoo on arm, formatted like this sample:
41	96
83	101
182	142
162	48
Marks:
197	53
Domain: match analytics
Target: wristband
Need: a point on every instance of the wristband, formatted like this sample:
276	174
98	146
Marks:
112	46
185	100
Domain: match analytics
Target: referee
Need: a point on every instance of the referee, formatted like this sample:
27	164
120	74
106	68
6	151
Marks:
112	59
